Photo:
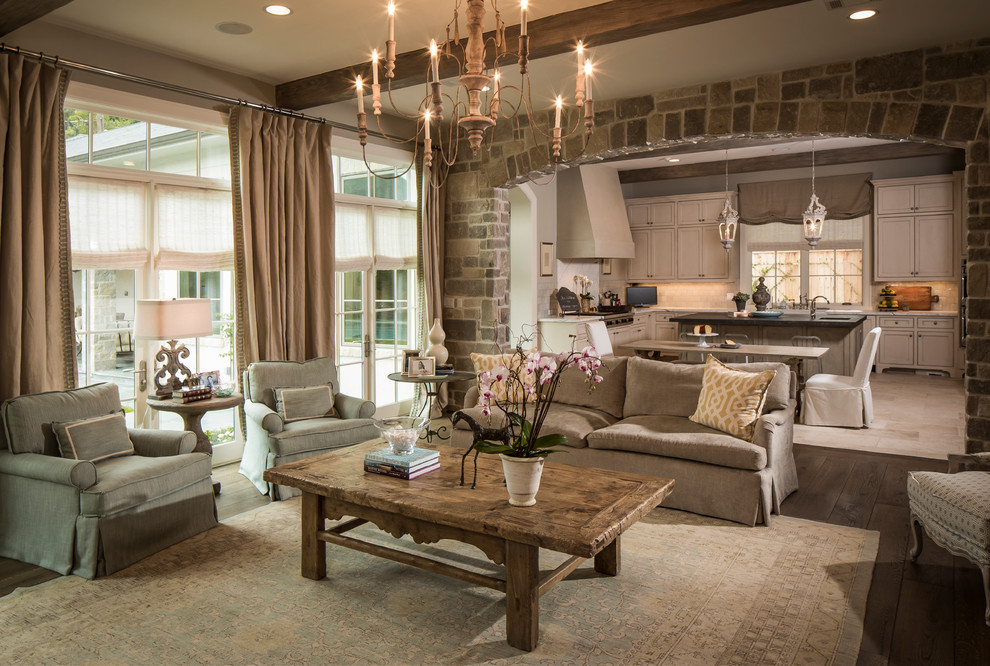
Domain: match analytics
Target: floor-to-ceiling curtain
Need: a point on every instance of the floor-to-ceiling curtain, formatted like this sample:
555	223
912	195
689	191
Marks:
431	211
37	348
283	237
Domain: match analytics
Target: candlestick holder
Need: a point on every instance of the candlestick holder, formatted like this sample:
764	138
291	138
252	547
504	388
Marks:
390	58
523	54
376	98
363	127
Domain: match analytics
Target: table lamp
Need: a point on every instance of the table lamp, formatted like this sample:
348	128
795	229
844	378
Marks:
171	320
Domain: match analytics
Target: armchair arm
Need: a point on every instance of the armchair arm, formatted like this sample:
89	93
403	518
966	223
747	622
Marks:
471	397
969	462
64	471
774	431
158	443
264	416
350	407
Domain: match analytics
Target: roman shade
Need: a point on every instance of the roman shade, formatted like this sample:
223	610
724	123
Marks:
107	220
195	229
845	197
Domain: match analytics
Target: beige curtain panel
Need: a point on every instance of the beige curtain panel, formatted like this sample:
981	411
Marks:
430	255
282	186
38	349
845	197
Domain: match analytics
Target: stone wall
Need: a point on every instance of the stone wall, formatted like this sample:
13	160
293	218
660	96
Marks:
937	94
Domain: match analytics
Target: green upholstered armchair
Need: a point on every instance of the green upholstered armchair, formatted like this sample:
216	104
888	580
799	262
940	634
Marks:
95	517
312	428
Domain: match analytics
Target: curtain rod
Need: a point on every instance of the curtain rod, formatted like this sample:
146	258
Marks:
55	61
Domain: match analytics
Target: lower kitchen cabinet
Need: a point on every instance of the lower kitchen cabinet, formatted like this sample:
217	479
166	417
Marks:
921	343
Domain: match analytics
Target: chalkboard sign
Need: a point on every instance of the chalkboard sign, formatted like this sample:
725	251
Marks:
568	300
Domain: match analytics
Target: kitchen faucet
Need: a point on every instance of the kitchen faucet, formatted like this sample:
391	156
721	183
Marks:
814	305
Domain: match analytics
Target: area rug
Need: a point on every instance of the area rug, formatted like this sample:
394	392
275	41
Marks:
692	590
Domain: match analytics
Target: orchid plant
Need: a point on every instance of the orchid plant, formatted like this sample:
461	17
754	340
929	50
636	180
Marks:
530	380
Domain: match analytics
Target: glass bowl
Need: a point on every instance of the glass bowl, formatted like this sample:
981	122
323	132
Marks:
402	432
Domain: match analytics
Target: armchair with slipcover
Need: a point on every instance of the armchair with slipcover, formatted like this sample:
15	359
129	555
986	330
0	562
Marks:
315	423
73	503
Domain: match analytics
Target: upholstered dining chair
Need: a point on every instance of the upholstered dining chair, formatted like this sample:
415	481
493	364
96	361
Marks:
838	400
954	509
294	410
599	338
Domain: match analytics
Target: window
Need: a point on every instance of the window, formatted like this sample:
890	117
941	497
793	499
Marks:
778	253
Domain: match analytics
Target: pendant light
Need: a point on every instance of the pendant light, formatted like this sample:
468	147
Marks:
814	217
728	219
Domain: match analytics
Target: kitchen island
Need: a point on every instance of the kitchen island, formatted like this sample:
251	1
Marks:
841	332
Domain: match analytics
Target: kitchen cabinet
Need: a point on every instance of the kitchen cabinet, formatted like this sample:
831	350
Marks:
700	211
658	214
921	342
621	335
655	255
663	328
700	254
916	228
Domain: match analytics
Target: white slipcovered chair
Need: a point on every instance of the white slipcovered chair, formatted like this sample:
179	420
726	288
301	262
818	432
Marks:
838	400
598	335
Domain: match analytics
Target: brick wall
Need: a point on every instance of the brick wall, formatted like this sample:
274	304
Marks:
937	94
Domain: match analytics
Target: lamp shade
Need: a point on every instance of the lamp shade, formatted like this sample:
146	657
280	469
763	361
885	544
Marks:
173	319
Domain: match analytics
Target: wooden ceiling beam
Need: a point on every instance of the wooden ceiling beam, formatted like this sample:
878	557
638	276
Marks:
891	151
15	14
609	22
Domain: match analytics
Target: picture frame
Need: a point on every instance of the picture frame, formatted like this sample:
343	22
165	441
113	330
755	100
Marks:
607	266
546	259
422	366
406	355
211	379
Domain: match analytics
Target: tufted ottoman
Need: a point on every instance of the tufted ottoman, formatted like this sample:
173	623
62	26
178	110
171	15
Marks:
955	511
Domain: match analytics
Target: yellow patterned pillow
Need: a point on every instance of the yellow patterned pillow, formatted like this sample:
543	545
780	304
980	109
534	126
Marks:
488	363
731	400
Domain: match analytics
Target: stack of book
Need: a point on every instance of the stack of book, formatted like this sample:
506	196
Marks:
445	369
192	394
409	466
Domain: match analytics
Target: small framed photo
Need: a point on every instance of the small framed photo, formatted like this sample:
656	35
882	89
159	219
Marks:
211	379
606	266
546	259
422	366
406	355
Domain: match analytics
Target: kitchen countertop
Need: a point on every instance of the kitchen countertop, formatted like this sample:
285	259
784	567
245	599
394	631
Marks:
789	318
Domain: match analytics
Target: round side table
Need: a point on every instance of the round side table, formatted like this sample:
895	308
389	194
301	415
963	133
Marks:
432	384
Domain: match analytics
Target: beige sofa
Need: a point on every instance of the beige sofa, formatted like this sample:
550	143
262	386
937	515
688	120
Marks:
636	420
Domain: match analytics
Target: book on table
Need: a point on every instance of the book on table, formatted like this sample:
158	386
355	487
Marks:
404	463
387	470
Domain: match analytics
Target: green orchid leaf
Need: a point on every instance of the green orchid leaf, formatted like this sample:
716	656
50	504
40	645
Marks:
547	441
489	447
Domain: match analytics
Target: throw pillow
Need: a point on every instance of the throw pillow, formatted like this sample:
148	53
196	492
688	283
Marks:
297	403
488	363
94	439
731	400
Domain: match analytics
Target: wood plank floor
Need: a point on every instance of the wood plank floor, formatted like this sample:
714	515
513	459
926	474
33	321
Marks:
925	613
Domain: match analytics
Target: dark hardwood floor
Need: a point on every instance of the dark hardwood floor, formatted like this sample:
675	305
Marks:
930	612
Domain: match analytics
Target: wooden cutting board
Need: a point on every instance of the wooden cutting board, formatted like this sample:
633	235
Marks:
916	298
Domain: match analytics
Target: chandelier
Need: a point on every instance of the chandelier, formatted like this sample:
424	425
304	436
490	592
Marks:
814	217
482	97
728	219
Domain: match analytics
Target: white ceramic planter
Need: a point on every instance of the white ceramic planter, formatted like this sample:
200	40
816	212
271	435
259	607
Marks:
522	478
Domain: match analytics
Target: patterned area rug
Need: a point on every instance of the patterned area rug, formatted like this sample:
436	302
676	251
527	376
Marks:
692	590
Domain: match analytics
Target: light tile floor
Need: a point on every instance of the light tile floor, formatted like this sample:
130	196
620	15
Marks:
913	415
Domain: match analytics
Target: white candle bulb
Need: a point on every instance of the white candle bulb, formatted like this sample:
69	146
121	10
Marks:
360	94
523	5
495	94
434	60
374	66
426	123
587	79
556	122
391	21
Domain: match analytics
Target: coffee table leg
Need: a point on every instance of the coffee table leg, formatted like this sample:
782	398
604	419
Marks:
314	551
608	561
522	597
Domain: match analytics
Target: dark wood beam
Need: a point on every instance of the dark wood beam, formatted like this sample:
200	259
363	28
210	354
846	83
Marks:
893	151
15	14
609	22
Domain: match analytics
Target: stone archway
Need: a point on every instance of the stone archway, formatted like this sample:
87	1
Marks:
936	95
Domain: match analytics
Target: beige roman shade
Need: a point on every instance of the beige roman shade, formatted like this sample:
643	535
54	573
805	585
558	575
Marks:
845	197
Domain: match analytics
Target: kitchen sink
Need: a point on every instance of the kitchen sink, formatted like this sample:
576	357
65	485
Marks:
834	317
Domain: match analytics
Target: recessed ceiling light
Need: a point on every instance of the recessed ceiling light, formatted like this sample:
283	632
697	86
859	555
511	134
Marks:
234	28
673	159
278	10
863	14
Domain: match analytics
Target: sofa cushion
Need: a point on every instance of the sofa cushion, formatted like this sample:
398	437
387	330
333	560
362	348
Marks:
264	376
575	423
607	396
94	439
731	400
308	402
123	483
27	419
955	507
321	434
677	437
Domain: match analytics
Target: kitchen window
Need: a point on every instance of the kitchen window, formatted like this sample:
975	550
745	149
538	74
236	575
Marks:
791	269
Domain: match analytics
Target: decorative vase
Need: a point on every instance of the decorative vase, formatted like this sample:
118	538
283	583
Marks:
740	305
522	478
761	296
436	348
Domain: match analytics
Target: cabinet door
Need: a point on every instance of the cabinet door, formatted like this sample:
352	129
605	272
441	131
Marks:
894	248
714	258
689	253
638	214
936	349
690	212
933	245
895	199
896	348
639	265
663	213
711	209
933	197
662	254
664	330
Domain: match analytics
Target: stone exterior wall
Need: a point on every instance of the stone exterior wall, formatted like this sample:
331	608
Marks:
937	94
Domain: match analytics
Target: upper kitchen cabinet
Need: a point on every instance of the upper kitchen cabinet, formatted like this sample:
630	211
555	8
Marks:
658	214
654	258
700	211
700	255
916	228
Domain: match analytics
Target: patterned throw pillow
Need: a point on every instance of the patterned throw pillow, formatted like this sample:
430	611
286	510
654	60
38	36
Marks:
94	439
731	400
297	403
488	363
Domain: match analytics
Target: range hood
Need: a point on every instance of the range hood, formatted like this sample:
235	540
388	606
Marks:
591	215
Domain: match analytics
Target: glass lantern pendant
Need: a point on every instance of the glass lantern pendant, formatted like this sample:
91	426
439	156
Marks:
814	217
728	219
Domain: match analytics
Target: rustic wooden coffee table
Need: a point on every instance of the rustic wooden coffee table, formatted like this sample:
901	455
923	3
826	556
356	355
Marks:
579	511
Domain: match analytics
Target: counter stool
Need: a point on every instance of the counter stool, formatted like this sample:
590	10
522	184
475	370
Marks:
808	341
